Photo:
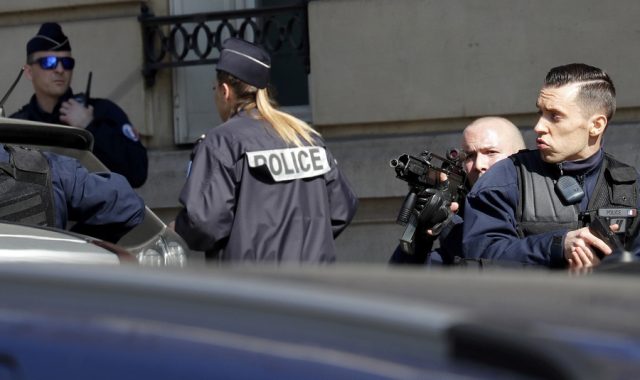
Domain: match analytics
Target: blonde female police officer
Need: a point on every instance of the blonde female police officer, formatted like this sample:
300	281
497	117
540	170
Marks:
262	186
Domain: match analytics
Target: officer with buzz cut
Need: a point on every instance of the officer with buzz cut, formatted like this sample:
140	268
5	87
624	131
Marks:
50	69
262	186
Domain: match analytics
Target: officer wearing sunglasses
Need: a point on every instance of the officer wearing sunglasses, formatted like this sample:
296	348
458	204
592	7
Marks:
50	69
50	62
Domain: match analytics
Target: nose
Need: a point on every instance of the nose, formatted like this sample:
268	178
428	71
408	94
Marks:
59	67
540	127
481	164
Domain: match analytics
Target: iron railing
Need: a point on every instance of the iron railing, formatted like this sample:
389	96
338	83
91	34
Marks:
169	40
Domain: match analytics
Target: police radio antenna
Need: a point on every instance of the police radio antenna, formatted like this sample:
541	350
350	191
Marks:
87	93
6	96
83	98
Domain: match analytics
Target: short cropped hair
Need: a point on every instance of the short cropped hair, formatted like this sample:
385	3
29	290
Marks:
597	92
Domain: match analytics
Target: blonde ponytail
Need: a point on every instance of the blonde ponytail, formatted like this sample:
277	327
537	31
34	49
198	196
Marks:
291	129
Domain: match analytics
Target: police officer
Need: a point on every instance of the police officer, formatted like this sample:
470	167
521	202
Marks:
533	208
49	190
50	68
262	186
485	141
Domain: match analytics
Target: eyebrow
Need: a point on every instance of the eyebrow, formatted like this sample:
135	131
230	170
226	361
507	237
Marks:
550	109
556	110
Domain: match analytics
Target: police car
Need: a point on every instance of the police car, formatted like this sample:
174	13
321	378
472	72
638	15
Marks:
151	242
31	244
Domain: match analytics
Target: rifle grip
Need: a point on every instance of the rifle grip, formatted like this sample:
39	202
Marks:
407	208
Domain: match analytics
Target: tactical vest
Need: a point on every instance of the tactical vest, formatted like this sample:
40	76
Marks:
25	185
541	210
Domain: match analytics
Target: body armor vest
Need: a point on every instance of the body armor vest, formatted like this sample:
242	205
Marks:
541	210
25	185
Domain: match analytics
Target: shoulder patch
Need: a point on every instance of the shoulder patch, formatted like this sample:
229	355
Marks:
291	163
128	131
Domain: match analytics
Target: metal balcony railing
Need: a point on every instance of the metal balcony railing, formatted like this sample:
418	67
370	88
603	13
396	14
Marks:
196	39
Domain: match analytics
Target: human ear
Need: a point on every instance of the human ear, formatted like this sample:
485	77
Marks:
27	72
226	91
597	124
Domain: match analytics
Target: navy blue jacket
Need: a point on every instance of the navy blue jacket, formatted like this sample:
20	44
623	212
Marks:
490	221
242	213
103	205
114	142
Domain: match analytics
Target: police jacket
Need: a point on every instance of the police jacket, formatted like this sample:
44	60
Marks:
115	143
103	205
494	228
250	197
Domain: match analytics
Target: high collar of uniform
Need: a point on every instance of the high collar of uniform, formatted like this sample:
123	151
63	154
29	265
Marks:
582	166
34	103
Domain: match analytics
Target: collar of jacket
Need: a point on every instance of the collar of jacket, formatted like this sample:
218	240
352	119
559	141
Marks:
45	116
582	167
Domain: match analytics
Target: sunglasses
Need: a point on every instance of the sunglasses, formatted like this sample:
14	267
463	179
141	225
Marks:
50	62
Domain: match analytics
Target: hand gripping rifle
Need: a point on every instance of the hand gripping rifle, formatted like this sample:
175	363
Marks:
426	205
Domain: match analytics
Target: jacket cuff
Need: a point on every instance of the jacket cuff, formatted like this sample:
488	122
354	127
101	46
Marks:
556	251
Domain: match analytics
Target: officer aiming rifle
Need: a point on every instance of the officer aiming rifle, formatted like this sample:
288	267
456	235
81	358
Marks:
484	142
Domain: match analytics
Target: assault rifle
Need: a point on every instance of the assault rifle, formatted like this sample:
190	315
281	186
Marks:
422	174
